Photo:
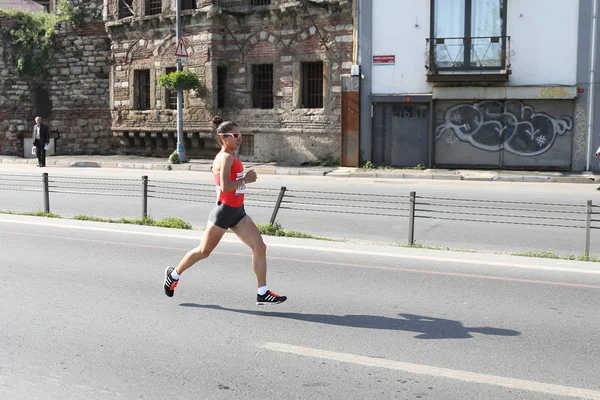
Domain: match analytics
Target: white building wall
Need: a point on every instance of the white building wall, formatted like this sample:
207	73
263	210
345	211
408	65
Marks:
400	28
543	41
543	44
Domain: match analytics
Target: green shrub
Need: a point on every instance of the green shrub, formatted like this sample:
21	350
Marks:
327	162
174	158
173	222
369	165
69	12
34	37
179	80
168	222
277	230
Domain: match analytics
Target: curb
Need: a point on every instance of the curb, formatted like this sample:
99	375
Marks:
339	172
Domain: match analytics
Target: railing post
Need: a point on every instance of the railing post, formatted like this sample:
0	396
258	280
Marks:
278	204
588	227
144	196
46	193
411	219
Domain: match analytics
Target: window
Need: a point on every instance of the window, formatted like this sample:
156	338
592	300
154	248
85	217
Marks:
221	88
312	85
125	8
142	89
262	86
153	7
188	4
260	2
171	97
469	34
247	147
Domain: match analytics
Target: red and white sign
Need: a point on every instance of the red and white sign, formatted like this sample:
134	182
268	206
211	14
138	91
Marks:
384	60
181	49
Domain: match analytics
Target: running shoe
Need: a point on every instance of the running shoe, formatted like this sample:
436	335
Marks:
170	283
269	298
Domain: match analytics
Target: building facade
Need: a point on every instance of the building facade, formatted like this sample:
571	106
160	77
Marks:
501	84
273	66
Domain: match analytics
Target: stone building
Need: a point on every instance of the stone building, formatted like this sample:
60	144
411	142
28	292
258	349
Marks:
273	66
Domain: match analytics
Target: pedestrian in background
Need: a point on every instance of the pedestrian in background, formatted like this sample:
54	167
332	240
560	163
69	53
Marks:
41	141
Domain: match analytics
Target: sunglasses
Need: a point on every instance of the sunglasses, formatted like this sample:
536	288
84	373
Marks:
234	135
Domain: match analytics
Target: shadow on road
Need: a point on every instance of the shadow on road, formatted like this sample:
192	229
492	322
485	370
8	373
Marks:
427	327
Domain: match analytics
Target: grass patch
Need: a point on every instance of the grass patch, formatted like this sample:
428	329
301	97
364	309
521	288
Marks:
277	230
550	254
545	254
370	165
327	162
33	214
420	246
168	222
173	222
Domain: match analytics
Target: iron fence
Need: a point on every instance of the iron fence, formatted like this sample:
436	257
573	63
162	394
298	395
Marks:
518	213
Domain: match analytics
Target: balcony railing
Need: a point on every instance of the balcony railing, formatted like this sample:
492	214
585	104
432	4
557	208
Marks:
241	3
488	55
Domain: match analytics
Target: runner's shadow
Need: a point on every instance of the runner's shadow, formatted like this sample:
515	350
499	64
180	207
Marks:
427	327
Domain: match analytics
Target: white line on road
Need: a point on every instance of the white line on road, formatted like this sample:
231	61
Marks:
379	253
464	376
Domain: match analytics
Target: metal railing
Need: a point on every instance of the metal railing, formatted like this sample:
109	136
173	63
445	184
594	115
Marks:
483	53
517	213
241	3
503	212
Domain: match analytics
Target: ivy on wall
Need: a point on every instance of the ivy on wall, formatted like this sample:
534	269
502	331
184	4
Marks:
32	34
70	12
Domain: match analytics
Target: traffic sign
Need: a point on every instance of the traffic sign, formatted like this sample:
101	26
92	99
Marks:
181	49
181	60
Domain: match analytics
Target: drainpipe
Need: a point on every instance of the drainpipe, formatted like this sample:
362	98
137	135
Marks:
591	85
355	32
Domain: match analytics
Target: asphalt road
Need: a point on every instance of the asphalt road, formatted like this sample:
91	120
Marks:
361	209
83	316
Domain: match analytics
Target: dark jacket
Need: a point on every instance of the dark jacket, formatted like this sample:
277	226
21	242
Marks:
44	134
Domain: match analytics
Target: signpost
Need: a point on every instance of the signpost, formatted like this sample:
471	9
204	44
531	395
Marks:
181	54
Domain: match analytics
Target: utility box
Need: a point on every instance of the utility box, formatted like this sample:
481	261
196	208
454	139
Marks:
350	121
28	144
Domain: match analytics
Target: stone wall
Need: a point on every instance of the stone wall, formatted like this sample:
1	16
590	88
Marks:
74	101
80	89
15	107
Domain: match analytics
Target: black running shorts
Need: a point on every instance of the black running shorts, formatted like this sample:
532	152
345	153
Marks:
226	217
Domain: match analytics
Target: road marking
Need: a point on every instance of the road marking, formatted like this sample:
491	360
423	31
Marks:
464	376
461	260
320	262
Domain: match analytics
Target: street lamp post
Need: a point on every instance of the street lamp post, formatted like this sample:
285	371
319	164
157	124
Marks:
180	140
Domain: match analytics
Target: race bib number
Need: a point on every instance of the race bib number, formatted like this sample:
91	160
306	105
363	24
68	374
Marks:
241	189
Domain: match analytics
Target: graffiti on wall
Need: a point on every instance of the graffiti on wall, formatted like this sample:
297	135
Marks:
503	125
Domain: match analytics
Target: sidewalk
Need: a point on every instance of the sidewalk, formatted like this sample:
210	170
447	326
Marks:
149	163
